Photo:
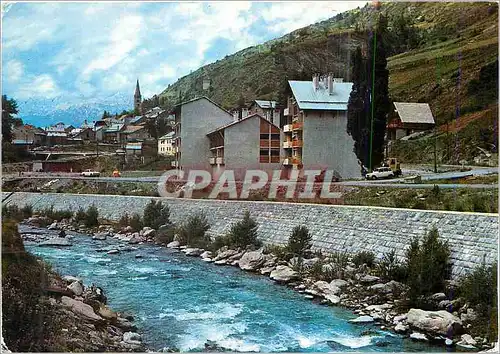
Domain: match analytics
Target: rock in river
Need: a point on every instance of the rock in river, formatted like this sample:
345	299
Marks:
283	274
252	260
362	319
76	287
56	241
438	322
80	308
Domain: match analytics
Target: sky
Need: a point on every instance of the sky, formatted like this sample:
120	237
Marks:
59	58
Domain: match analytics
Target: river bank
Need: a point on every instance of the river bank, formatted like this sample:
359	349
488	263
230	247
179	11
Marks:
373	301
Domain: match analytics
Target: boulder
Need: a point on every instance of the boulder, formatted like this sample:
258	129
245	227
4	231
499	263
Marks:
436	322
283	274
80	308
334	299
399	318
100	236
174	244
76	287
252	260
53	226
220	262
387	287
150	233
418	336
438	297
206	254
369	279
469	316
323	288
193	252
266	270
125	324
468	340
362	319
224	254
401	328
70	279
339	283
113	251
107	313
132	338
56	242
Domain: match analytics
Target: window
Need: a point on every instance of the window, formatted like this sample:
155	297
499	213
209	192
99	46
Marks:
275	137
264	136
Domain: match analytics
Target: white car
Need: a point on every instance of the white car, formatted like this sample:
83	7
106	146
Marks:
90	173
379	173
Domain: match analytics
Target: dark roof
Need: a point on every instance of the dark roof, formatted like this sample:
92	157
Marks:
241	120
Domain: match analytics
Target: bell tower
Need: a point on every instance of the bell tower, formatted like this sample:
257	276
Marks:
137	97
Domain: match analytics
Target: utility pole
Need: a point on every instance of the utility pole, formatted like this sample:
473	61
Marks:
435	152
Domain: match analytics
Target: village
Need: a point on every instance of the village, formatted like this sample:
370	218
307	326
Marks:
309	132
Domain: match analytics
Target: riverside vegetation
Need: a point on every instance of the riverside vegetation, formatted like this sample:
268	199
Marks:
412	296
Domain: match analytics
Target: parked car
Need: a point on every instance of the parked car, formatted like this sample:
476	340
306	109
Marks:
380	173
90	173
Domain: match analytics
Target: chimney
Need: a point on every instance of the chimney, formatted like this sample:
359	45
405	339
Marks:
315	82
330	84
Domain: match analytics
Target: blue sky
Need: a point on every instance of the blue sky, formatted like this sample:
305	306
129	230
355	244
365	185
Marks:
57	56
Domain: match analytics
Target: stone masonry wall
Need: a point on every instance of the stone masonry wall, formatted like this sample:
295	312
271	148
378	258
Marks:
471	236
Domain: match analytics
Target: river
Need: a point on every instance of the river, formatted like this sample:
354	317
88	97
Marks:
182	302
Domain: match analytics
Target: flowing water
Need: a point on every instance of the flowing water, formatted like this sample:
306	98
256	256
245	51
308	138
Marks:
182	302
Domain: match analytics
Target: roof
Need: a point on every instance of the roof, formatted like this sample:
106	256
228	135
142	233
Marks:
266	104
133	146
414	112
320	99
63	134
239	121
136	119
113	128
133	128
22	142
167	136
199	98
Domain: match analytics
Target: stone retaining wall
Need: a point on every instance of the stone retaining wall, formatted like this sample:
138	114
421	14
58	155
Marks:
472	236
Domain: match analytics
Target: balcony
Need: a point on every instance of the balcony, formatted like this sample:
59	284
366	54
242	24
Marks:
297	125
286	112
287	128
219	160
287	161
211	160
287	145
297	143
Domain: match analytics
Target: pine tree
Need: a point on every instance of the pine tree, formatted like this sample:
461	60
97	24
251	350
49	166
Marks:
9	108
369	102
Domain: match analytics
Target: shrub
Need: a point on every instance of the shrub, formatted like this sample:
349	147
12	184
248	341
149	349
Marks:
479	289
364	257
136	222
13	212
281	252
56	215
340	259
156	214
390	268
91	216
300	241
80	215
124	220
428	265
193	231
244	232
220	242
29	320
165	234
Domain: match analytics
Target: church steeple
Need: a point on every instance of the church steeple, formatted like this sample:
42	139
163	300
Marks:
137	97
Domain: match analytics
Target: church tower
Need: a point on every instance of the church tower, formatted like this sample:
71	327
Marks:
137	98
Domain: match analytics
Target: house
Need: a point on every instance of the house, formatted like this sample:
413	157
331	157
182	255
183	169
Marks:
112	133
315	130
85	134
409	118
249	143
28	135
133	148
165	146
266	109
135	133
193	120
99	132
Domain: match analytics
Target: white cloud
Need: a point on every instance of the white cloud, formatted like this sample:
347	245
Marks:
13	70
40	86
123	39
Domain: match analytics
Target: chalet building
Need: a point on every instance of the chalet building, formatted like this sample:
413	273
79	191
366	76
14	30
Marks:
249	143
85	134
266	109
28	136
409	118
315	130
113	133
135	133
193	120
165	145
